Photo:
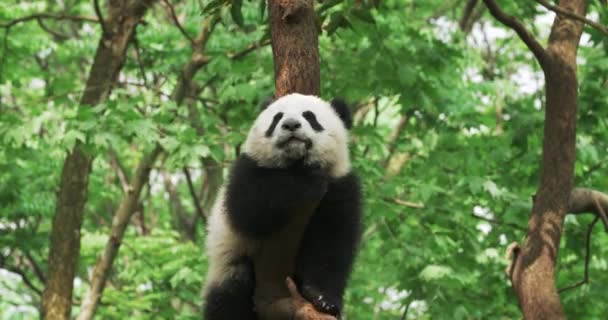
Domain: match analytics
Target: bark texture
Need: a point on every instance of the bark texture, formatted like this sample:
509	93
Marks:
295	47
533	272
295	50
65	235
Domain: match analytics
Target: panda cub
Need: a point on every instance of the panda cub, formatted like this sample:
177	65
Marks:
290	208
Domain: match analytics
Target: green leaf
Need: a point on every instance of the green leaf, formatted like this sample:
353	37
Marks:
212	6
262	9
435	272
364	15
236	13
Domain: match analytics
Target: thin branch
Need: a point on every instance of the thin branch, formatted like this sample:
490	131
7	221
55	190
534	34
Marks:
177	23
561	11
104	30
138	58
587	258
121	173
407	308
197	205
405	203
206	31
55	16
25	279
58	36
499	222
512	22
252	47
35	266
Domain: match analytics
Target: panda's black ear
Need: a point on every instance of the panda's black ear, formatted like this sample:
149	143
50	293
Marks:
266	102
343	111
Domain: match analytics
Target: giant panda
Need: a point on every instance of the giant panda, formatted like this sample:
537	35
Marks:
290	208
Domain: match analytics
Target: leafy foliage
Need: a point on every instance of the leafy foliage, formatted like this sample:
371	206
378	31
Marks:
447	141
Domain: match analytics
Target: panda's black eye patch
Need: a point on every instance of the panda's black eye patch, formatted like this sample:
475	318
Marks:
312	119
275	120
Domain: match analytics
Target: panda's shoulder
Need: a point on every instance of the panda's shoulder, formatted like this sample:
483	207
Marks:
346	185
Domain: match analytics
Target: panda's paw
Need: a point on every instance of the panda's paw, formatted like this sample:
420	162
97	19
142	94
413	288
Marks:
304	309
321	302
308	312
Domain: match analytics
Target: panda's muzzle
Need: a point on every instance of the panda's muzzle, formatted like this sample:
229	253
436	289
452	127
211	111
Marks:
284	141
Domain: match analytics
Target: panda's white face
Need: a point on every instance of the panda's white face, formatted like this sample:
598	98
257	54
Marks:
299	127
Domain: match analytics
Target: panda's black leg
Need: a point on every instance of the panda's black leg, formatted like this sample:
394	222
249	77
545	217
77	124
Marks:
329	245
232	298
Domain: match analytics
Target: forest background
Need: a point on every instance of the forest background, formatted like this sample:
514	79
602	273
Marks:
449	108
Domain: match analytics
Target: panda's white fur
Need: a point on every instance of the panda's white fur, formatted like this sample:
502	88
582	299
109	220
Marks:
223	244
329	149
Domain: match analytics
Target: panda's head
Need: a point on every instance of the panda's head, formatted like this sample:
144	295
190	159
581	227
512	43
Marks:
305	129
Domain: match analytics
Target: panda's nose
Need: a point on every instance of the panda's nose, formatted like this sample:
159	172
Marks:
291	125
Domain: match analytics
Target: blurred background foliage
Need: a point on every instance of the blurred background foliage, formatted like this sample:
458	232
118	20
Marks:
447	141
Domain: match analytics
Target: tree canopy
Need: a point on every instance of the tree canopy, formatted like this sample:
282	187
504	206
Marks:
449	110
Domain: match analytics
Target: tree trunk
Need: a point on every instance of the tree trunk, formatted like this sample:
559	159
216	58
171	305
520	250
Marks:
533	274
128	204
295	50
71	197
295	47
119	224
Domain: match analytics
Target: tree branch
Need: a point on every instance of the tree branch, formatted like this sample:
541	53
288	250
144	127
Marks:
138	58
407	308
512	22
58	36
55	16
121	173
393	137
206	31
197	205
560	11
177	23
35	266
466	14
104	30
587	258
252	47
409	204
25	279
584	200
499	222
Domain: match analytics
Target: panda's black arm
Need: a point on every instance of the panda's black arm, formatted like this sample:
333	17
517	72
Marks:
260	200
328	248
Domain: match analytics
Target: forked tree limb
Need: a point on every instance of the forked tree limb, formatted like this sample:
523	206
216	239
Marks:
533	272
560	11
177	23
523	33
582	200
